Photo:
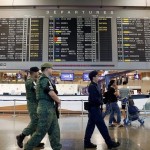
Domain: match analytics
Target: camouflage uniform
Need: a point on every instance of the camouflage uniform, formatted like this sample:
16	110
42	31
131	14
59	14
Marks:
32	107
48	122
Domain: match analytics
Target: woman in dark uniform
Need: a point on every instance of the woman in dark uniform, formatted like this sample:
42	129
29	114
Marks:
95	114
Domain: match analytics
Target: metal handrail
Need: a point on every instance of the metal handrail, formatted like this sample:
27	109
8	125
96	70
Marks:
14	107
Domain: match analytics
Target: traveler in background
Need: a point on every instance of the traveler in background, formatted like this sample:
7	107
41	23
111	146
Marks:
48	122
124	93
32	103
113	94
95	114
107	104
106	101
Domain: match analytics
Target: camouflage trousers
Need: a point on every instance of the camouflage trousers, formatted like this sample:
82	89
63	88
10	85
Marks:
31	128
47	123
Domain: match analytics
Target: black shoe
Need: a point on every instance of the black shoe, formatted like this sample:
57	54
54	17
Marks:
120	125
112	125
114	145
40	145
90	145
20	139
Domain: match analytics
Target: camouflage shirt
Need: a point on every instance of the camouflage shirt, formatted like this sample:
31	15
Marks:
30	85
41	93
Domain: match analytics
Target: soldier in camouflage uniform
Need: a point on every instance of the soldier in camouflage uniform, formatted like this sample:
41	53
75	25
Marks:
32	104
48	122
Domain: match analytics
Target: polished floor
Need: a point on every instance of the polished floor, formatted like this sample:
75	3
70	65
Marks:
134	137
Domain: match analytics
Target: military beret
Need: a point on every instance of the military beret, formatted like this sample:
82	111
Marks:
46	65
34	69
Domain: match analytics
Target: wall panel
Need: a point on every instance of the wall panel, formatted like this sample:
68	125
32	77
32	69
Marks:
6	2
79	2
123	2
35	2
148	3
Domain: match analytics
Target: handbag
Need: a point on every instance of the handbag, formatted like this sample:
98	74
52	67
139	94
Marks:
124	101
86	105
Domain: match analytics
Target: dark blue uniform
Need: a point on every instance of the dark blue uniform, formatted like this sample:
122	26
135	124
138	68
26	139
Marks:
95	115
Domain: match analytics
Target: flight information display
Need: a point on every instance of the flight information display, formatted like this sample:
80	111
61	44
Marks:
21	39
80	39
133	39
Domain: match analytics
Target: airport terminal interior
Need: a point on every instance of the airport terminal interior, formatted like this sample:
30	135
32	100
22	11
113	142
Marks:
76	37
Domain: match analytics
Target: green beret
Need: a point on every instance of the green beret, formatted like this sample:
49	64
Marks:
46	65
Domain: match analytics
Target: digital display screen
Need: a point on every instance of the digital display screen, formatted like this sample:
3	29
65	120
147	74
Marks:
67	76
19	76
85	77
133	39
80	39
21	39
137	76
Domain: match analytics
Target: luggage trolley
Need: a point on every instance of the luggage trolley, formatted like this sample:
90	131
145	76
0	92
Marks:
132	113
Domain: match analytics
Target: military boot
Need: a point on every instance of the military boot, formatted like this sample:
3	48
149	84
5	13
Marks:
20	139
41	145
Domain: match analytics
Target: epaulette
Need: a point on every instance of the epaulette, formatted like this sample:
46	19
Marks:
42	77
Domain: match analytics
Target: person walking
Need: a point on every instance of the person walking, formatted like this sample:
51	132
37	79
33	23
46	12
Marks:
48	122
95	115
32	103
113	94
124	93
107	108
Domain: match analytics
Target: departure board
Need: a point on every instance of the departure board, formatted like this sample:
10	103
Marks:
80	39
105	39
35	39
21	39
133	36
